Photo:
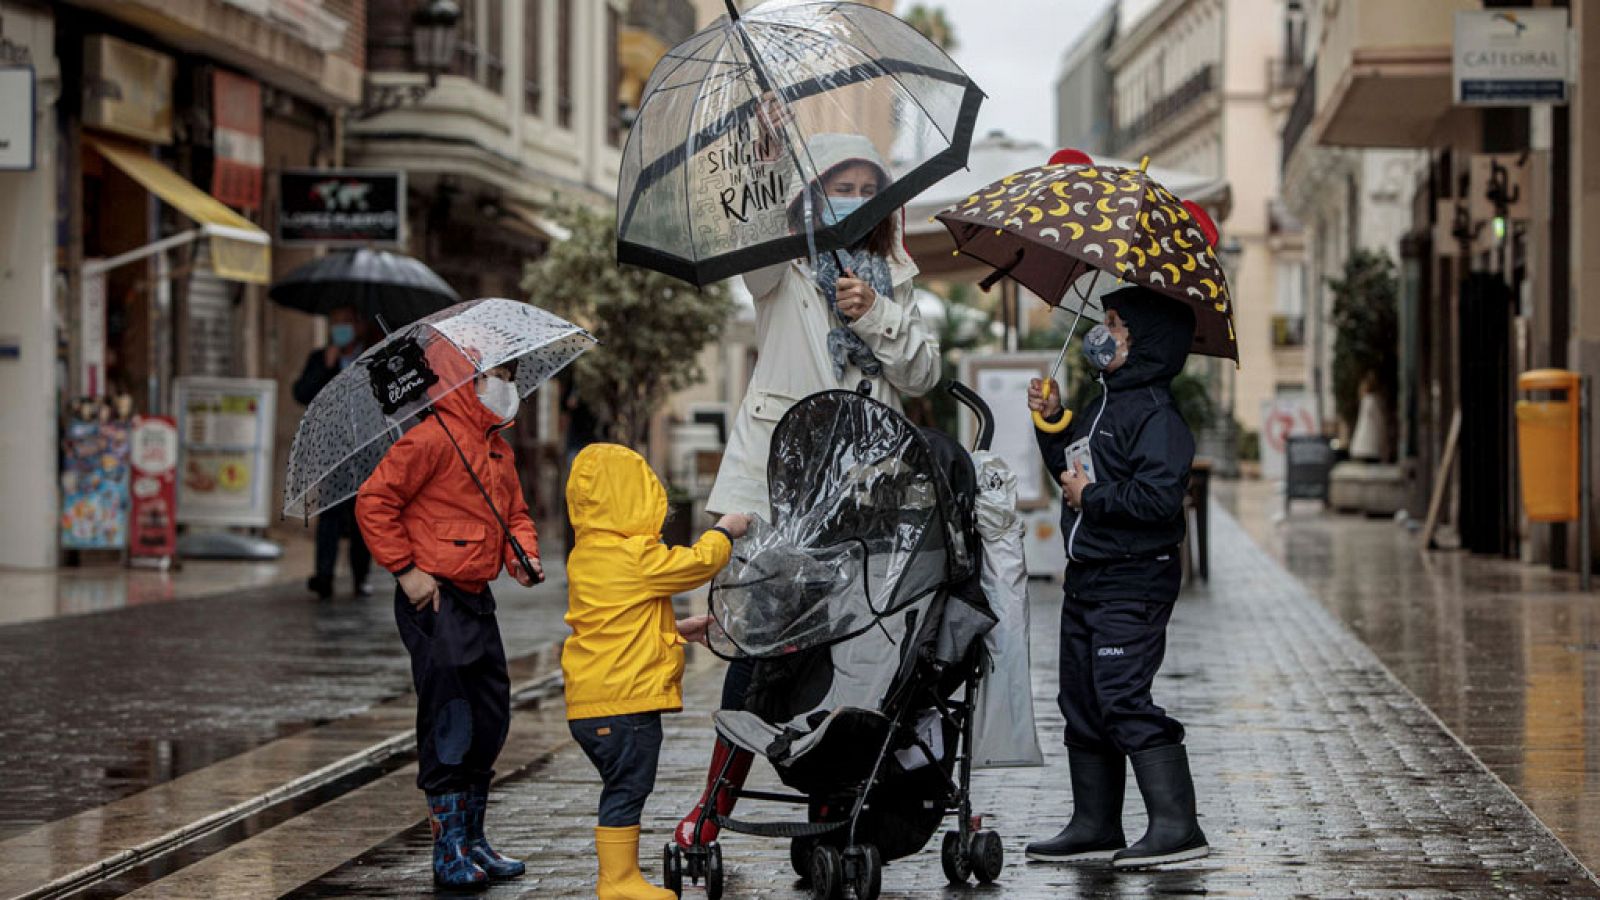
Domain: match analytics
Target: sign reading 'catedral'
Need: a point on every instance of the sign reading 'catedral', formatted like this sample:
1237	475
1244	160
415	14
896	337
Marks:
1511	57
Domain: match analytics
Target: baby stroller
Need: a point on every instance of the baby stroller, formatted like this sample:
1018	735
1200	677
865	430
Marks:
862	605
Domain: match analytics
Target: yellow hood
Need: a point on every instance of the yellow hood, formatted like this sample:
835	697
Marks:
612	489
625	655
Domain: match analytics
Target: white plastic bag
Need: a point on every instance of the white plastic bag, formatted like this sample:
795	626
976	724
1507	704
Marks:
1004	734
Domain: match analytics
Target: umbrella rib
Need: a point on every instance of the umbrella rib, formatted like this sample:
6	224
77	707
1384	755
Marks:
690	84
661	165
879	61
901	84
688	212
681	62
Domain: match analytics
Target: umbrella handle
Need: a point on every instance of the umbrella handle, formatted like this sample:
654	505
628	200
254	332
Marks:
1052	427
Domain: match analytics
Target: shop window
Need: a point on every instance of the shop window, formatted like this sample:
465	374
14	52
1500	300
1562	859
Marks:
564	63
467	42
494	42
389	35
532	56
613	95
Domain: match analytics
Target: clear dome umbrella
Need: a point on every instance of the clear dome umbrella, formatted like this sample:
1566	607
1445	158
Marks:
354	421
737	121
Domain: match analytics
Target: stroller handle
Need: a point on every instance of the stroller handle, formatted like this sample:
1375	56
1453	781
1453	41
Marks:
970	399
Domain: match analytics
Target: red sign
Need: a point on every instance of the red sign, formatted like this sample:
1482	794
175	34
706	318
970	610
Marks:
153	529
237	167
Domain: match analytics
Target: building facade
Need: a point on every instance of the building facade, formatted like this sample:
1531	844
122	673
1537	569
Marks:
1492	265
157	129
1196	86
1083	88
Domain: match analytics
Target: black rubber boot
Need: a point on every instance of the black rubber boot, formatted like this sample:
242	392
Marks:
1095	832
1174	833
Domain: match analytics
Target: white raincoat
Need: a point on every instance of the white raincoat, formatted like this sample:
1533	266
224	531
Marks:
793	319
792	325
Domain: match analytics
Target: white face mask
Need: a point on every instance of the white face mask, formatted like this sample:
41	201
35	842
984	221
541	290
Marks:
500	397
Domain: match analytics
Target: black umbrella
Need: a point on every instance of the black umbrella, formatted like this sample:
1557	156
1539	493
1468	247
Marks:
373	282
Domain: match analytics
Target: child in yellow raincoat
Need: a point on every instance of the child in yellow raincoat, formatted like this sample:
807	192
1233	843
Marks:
624	660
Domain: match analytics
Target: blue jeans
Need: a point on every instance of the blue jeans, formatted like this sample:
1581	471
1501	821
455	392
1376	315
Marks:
625	750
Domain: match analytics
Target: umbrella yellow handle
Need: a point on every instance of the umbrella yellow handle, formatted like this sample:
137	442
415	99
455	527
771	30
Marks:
1052	427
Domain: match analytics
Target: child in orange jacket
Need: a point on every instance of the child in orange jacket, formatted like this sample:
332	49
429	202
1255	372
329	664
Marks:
425	520
624	661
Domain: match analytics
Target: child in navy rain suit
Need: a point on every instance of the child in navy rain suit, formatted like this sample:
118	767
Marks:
1124	470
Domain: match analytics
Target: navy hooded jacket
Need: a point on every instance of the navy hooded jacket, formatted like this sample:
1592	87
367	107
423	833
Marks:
1140	446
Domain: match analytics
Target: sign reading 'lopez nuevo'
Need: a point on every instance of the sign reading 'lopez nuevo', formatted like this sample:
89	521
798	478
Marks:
341	206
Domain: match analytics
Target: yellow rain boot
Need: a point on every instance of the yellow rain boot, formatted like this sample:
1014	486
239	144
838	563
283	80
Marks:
618	849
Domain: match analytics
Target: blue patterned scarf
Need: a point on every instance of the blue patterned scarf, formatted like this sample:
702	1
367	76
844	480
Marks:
845	346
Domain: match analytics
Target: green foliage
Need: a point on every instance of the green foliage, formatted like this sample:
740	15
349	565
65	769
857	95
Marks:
933	24
1249	445
651	328
1366	327
965	328
1193	398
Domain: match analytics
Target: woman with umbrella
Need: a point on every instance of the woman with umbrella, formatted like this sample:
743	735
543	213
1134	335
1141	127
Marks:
759	151
846	321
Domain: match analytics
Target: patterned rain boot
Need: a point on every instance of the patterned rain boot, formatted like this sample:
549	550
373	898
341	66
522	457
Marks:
499	868
453	868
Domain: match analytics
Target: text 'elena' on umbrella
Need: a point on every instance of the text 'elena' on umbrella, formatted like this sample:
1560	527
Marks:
417	371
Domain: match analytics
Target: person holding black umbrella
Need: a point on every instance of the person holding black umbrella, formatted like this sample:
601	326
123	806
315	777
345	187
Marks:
347	335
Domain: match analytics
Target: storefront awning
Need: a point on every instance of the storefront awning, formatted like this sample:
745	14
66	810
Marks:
537	223
240	250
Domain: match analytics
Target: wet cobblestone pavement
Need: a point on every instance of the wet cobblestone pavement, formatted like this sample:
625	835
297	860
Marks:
1318	775
100	706
1507	655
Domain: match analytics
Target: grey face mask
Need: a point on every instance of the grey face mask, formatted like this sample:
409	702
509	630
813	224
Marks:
1099	347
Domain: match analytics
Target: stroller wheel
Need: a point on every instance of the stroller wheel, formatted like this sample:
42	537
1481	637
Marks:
714	871
800	856
987	856
827	873
867	877
672	868
957	867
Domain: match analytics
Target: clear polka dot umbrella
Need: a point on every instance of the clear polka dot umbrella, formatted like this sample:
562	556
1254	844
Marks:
367	407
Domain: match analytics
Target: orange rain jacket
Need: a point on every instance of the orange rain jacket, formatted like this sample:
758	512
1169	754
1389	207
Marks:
625	655
420	508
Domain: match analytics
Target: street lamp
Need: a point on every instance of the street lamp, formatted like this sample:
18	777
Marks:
435	28
435	33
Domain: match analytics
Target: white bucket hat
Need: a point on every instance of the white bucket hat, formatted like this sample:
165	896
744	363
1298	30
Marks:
830	151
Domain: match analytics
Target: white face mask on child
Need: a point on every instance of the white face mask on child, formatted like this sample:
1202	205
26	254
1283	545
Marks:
499	396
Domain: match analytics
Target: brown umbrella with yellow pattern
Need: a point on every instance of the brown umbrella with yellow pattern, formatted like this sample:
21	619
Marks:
1048	226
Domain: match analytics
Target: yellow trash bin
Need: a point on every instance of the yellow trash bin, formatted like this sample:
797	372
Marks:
1548	431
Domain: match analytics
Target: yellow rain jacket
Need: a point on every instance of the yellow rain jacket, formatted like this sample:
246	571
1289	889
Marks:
625	654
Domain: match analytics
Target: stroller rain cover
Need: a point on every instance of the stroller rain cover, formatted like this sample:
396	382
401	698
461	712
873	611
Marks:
864	524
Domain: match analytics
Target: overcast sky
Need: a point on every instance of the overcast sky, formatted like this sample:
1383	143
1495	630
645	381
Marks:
1012	48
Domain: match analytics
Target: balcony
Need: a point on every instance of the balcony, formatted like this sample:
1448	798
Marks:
1384	72
1300	114
1288	331
1284	74
1197	87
